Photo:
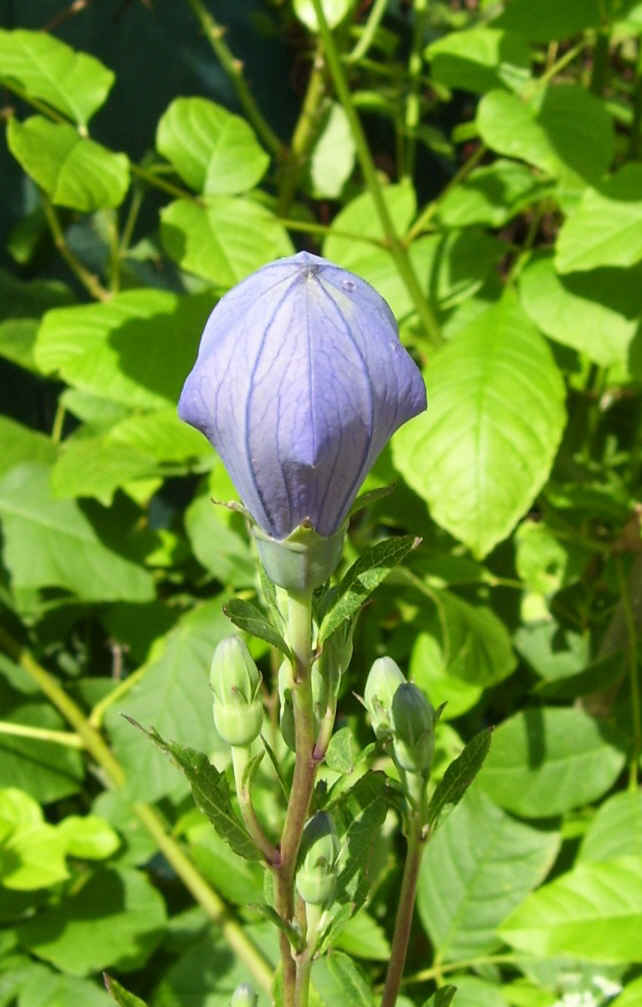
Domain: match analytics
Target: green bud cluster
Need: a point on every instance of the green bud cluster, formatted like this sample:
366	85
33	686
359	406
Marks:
401	713
236	684
316	878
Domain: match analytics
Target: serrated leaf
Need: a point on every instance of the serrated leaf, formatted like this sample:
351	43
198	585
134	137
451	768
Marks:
118	993
606	227
564	130
337	980
73	82
125	349
74	171
52	543
459	776
547	760
479	866
362	937
363	577
215	152
491	195
250	619
224	241
484	448
358	813
22	444
594	312
442	997
593	912
211	792
480	59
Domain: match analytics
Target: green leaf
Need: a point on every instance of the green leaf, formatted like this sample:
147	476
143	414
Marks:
429	670
173	694
547	20
564	130
332	155
616	829
545	761
22	305
137	845
124	911
459	776
74	83
343	751
125	349
208	972
334	10
337	980
73	170
491	195
210	790
88	837
358	814
45	988
480	59
595	312
32	853
21	444
363	577
484	448
474	992
51	542
606	227
480	865
215	540
362	937
250	619
120	994
593	912
238	880
138	447
631	995
224	241
442	997
212	150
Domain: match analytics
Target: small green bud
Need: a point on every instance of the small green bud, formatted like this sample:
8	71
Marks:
383	680
286	710
236	684
244	996
316	878
413	728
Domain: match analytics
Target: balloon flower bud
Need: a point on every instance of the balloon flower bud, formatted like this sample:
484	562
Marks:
236	684
299	383
383	680
413	728
244	996
316	878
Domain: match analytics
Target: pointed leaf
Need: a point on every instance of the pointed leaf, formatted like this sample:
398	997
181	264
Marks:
363	577
210	790
250	619
118	993
459	776
484	448
442	997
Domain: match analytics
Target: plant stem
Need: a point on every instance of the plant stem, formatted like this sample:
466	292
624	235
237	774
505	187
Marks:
100	751
302	985
159	183
632	664
214	33
299	639
396	247
303	135
368	32
90	282
67	738
600	71
413	111
240	761
313	227
425	975
416	842
428	213
58	422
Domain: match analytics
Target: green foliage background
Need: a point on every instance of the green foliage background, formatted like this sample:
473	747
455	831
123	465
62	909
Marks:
140	181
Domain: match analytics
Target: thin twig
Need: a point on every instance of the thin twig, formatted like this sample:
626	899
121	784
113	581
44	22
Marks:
90	282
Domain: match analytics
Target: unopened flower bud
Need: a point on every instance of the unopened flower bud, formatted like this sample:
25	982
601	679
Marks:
244	996
384	679
236	684
316	878
413	728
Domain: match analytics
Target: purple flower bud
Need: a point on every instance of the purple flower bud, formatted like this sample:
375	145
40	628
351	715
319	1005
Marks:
299	383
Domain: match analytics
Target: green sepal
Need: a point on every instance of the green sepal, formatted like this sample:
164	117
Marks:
458	777
302	561
250	619
363	577
210	790
118	993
